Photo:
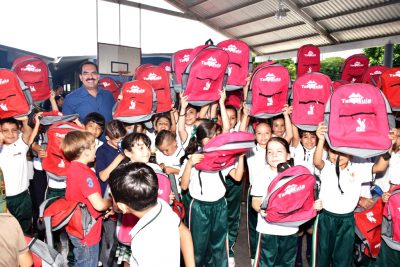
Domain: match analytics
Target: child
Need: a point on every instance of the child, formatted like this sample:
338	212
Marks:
341	182
208	210
282	125
13	163
169	152
134	187
83	186
186	120
276	244
94	124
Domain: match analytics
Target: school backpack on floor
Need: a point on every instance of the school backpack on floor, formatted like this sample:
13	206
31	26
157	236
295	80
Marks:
205	75
308	59
158	78
391	220
111	85
358	117
138	104
15	97
35	74
55	164
368	228
268	91
353	68
310	95
390	81
240	63
373	75
56	213
179	61
221	151
290	197
43	254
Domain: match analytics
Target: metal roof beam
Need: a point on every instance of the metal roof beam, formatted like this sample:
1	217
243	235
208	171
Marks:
315	3
286	40
232	9
243	22
197	4
271	30
370	24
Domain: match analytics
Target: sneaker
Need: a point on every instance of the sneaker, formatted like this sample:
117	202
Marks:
252	262
231	262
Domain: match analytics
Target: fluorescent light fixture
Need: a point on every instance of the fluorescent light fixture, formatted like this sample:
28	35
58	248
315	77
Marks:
281	12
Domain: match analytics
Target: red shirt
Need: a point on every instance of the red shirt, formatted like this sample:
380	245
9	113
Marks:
81	183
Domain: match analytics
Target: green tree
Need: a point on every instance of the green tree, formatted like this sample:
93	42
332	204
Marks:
331	67
375	55
290	65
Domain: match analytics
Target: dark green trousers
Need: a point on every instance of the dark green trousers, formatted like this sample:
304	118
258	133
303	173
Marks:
208	225
334	239
20	206
387	257
54	192
252	234
233	198
275	251
186	200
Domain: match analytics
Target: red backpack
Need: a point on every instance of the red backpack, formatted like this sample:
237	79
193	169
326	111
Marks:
158	78
179	61
15	97
391	220
268	91
110	85
368	228
35	74
166	65
221	151
205	75
138	102
308	59
290	197
337	84
55	164
358	117
390	81
353	68
43	254
310	94
373	75
240	63
234	98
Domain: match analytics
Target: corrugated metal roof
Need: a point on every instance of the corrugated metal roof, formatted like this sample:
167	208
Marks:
320	22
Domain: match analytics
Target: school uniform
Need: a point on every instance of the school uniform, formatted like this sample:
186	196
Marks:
208	216
172	161
189	131
155	238
257	164
335	224
276	244
14	165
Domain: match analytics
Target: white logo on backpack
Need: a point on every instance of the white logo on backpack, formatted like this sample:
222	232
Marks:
152	77
61	164
133	105
4	81
31	68
310	54
397	74
270	77
377	72
106	84
59	135
357	64
229	70
312	85
311	110
356	98
293	188
135	90
270	101
185	58
207	86
211	62
4	107
32	88
370	217
233	49
361	126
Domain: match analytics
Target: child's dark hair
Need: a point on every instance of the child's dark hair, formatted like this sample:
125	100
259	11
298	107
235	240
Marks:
96	118
302	132
164	135
284	143
276	118
135	184
163	116
115	129
231	108
206	128
11	121
131	139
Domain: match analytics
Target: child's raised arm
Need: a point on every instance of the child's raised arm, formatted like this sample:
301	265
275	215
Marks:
193	160
35	129
237	173
245	118
296	136
224	114
181	118
288	123
383	162
318	162
53	102
26	129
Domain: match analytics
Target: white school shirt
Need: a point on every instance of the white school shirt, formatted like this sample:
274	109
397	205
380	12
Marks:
189	130
351	179
256	162
173	160
211	188
155	238
259	189
14	165
305	157
152	136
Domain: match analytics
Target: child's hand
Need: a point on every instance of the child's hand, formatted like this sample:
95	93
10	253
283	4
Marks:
222	96
171	197
263	213
366	203
321	130
385	197
286	110
196	158
393	134
52	95
246	109
318	205
183	102
42	153
37	117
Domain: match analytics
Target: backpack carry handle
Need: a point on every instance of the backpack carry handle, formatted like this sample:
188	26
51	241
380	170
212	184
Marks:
209	42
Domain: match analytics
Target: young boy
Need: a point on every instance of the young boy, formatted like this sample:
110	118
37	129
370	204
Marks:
94	124
13	163
82	186
134	187
169	152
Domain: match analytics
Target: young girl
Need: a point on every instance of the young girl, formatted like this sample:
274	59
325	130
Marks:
341	182
208	211
282	125
276	244
186	121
